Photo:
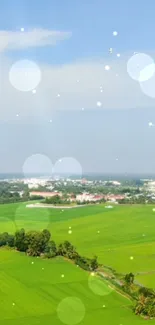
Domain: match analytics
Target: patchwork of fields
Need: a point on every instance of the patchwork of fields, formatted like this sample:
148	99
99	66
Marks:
122	237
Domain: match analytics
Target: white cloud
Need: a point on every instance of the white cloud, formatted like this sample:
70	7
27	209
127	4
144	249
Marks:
32	38
119	92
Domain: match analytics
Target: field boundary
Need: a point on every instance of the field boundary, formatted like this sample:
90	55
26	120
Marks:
50	206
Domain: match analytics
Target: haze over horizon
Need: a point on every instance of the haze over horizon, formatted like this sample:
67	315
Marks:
77	94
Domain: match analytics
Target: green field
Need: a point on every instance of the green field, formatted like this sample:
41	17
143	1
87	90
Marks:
121	231
114	235
31	293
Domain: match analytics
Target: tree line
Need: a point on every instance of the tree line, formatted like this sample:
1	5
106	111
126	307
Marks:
144	297
9	192
39	243
57	200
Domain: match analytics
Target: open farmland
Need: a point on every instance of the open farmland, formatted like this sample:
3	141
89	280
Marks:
122	237
35	291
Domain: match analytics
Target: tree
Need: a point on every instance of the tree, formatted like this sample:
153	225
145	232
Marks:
11	241
67	249
53	200
129	279
35	197
46	235
37	242
60	250
146	292
34	243
51	249
145	306
4	239
94	263
139	307
26	195
83	262
20	240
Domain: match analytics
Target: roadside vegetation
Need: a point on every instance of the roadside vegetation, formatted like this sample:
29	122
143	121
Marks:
39	243
143	298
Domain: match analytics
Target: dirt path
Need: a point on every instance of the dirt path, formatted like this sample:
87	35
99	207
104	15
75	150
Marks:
145	272
50	206
113	287
118	291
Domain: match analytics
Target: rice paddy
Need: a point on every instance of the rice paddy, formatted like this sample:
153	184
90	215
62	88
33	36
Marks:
34	291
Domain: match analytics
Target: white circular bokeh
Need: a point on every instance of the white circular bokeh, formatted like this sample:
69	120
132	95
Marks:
66	167
98	286
25	75
99	104
141	67
71	311
38	165
115	33
147	73
107	67
148	87
150	124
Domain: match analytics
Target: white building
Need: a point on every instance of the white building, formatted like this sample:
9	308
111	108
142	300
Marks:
116	183
88	197
30	186
35	182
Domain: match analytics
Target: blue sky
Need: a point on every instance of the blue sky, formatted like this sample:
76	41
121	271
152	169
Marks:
91	22
94	136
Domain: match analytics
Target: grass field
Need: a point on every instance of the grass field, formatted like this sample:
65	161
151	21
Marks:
114	235
34	293
31	294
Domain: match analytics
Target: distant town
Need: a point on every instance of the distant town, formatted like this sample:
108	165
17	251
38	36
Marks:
80	191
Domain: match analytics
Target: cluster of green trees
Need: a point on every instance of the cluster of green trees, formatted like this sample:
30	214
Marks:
90	202
35	197
145	297
142	199
12	198
9	192
89	264
145	305
32	242
39	243
129	279
108	188
6	239
56	200
8	197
